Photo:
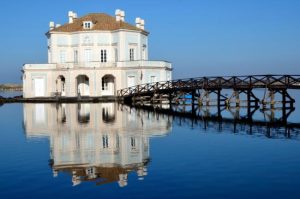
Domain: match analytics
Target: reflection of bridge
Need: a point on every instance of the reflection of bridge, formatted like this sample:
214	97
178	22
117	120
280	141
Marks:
269	126
199	92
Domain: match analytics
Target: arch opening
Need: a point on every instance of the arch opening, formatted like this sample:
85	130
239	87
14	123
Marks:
83	85
108	85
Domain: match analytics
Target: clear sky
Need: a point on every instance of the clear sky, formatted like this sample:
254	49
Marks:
200	37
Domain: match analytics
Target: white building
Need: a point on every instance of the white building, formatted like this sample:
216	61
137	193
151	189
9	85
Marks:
94	55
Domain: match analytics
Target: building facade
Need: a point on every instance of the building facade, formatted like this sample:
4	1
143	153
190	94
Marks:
94	55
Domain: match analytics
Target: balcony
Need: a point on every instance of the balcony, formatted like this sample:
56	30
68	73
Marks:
81	65
39	66
144	63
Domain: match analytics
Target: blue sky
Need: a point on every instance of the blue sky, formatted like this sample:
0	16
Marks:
200	37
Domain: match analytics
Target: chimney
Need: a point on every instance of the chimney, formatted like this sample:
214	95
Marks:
120	15
75	15
71	16
138	22
51	25
142	25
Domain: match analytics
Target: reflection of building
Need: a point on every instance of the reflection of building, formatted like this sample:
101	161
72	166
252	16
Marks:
94	55
98	142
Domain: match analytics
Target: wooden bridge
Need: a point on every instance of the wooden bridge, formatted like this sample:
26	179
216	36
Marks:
210	91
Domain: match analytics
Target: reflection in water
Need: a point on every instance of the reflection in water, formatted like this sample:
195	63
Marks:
260	123
95	142
108	113
105	142
84	113
62	117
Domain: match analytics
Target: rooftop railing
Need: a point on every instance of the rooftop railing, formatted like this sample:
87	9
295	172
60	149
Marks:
97	64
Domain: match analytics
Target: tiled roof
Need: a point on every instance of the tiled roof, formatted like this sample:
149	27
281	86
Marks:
101	21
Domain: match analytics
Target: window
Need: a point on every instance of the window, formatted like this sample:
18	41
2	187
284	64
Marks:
131	81
103	56
133	143
62	56
116	55
144	53
77	141
87	55
117	142
87	25
75	56
168	76
153	79
131	54
105	141
90	171
87	40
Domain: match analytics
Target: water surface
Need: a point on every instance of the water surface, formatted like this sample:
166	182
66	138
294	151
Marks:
107	150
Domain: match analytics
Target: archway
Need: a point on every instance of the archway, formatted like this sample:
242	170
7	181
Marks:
60	85
108	85
83	85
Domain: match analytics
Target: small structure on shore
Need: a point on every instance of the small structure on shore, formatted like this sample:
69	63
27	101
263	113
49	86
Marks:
11	87
94	55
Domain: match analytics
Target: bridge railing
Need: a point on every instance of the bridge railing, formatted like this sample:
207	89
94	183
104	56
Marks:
217	82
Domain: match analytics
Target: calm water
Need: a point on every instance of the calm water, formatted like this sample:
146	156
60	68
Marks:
10	93
105	150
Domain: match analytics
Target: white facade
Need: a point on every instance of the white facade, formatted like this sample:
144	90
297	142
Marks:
94	55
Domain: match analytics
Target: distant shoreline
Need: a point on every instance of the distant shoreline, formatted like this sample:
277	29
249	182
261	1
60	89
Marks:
11	87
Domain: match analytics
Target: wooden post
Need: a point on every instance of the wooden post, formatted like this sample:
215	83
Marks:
284	118
237	98
249	104
207	98
193	102
219	97
272	96
170	99
219	102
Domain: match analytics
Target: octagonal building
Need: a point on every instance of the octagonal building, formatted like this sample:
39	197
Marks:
94	55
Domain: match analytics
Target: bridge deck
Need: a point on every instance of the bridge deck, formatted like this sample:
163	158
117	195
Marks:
271	82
